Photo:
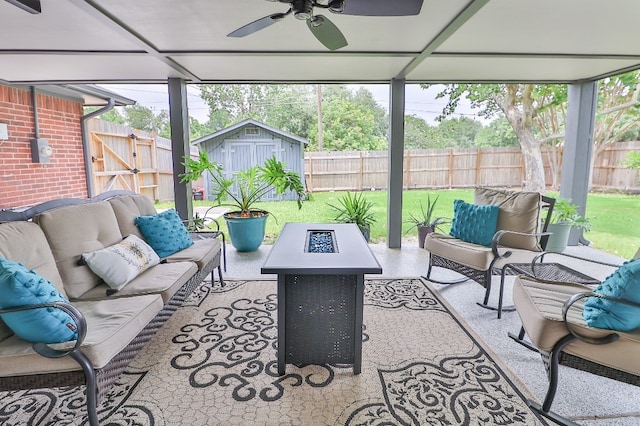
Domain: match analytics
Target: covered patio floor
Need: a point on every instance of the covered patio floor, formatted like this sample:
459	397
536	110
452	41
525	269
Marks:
584	398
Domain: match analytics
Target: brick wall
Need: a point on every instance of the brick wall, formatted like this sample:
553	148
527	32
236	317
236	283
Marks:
22	182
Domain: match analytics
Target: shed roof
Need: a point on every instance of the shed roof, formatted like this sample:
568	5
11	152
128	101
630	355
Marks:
249	122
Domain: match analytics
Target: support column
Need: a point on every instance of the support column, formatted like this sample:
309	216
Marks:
179	120
396	154
578	147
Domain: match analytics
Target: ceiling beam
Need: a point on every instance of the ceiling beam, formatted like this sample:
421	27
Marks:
91	8
453	26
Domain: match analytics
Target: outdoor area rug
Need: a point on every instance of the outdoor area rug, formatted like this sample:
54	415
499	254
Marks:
214	362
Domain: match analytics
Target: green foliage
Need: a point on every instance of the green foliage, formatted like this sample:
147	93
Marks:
426	217
564	211
112	116
614	218
354	208
350	121
498	133
632	160
252	184
287	107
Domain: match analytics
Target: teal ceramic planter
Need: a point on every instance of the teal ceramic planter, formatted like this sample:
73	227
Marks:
246	233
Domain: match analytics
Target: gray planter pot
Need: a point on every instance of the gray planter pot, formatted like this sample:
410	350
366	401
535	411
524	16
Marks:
557	241
423	231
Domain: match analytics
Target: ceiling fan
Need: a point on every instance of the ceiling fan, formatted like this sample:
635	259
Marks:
322	28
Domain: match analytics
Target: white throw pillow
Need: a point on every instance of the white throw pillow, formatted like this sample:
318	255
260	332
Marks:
120	263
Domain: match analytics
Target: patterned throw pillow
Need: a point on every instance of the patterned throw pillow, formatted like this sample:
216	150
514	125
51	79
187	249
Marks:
120	263
22	287
473	223
164	232
624	284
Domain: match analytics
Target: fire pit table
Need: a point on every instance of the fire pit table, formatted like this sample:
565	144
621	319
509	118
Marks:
320	268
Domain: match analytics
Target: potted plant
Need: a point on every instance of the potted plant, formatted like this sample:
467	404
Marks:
425	223
564	218
246	224
355	208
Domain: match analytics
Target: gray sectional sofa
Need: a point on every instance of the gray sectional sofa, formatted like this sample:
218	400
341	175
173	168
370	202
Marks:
112	326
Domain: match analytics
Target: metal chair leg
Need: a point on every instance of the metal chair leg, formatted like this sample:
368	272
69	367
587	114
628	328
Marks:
91	382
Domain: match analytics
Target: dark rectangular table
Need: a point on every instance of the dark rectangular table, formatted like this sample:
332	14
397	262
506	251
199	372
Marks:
320	295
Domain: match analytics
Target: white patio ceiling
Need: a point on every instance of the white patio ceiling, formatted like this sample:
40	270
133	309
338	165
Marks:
125	41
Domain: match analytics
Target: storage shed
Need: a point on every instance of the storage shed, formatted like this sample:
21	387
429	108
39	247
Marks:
250	143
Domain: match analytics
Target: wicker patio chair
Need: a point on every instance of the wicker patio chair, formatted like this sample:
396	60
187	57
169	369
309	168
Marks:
521	235
552	320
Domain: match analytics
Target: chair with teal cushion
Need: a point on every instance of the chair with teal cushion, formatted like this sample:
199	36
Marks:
478	246
591	328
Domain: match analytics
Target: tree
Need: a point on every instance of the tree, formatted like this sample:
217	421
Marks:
286	107
418	134
459	132
618	111
351	121
498	133
520	104
111	116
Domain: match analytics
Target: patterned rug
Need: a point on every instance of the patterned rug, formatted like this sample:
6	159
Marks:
214	362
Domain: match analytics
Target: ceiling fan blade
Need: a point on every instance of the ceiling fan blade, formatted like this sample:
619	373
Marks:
257	25
326	32
382	7
31	6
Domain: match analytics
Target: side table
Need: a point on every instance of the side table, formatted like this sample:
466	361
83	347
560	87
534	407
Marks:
545	271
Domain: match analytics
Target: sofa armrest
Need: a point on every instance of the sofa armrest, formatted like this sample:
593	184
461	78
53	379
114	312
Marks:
77	316
609	338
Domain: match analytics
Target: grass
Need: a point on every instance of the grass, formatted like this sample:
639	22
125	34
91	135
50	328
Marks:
614	217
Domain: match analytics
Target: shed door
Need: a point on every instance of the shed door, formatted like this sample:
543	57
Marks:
241	155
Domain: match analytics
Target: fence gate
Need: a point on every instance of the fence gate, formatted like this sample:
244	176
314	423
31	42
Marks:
121	161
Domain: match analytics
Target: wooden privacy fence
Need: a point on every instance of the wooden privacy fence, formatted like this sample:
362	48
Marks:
453	168
125	158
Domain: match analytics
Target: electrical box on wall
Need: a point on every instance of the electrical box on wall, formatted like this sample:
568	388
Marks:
40	150
4	132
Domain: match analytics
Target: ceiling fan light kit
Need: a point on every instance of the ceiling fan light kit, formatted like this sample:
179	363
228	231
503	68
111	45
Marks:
321	27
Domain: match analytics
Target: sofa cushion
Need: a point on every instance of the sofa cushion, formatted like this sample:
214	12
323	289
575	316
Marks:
164	279
22	287
120	263
539	306
519	212
127	208
111	326
165	232
474	223
77	229
472	255
201	252
25	242
624	284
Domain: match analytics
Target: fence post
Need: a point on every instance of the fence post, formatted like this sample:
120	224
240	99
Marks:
408	169
361	173
310	183
450	168
478	166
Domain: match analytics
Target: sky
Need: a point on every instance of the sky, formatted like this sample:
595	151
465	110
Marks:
419	102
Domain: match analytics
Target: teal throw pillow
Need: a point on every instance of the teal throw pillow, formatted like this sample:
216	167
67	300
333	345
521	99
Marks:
624	284
21	287
164	232
474	223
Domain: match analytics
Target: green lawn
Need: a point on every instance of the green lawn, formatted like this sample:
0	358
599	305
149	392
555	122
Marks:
615	217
